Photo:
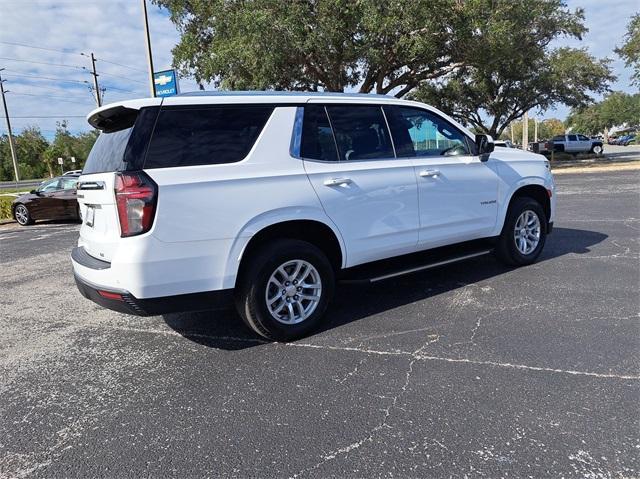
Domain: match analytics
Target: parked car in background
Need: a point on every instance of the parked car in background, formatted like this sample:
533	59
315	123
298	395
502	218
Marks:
626	139
576	143
271	198
54	199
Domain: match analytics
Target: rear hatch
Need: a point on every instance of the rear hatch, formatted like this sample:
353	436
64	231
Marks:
125	130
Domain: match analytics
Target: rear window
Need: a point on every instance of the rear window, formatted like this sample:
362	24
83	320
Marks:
107	153
558	138
205	136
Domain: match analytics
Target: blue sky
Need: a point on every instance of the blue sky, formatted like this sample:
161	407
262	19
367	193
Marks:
41	93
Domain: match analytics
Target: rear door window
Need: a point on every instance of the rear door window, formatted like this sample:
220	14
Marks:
361	132
573	138
558	138
188	136
317	138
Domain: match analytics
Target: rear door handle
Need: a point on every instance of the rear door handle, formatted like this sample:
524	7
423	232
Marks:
429	173
337	181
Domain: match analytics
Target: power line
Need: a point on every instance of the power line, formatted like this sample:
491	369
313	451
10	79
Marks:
33	85
121	65
57	98
42	63
82	82
38	48
68	53
44	78
122	77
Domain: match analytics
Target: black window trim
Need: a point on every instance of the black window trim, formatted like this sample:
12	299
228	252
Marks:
296	135
298	127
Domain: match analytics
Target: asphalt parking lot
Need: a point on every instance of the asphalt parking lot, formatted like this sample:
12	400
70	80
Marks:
472	370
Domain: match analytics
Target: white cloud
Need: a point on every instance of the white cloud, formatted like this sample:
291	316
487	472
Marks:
113	30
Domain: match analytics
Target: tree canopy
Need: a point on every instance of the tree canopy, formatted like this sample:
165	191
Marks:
630	50
617	108
309	45
484	61
516	69
37	157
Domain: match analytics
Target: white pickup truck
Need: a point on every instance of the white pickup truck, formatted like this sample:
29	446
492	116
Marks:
577	144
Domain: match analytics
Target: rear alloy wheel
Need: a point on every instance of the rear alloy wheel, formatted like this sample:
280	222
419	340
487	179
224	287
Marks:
284	291
293	291
22	216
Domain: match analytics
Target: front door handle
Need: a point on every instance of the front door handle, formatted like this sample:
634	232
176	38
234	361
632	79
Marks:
337	181
429	173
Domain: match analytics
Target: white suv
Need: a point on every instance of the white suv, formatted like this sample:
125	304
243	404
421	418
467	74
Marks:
270	198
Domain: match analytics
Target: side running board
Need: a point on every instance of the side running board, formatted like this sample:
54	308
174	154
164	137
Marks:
415	262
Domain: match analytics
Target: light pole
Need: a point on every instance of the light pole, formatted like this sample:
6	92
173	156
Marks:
148	42
6	116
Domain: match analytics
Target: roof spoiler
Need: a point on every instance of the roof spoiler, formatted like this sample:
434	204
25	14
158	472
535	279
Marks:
113	119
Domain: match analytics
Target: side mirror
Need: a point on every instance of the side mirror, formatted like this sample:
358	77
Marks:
484	145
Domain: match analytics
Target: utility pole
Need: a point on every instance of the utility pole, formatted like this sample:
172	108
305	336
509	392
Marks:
535	135
95	76
6	116
525	130
95	80
149	54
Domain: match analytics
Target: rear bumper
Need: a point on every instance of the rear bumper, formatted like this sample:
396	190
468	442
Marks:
124	302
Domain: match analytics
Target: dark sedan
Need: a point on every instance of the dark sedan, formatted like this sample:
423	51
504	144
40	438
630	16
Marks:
54	199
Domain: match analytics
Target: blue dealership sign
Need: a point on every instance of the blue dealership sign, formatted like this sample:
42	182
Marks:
166	83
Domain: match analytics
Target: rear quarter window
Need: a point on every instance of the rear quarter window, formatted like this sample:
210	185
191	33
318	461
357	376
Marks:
107	153
192	136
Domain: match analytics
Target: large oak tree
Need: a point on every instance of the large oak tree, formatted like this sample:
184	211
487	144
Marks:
484	61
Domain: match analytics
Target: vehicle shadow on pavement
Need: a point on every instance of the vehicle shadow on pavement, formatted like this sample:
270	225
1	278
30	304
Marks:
225	330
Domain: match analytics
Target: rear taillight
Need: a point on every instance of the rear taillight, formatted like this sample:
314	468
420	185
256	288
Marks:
136	197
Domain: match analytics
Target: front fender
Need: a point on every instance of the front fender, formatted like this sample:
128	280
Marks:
511	189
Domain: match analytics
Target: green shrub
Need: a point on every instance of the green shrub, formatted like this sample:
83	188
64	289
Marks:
5	207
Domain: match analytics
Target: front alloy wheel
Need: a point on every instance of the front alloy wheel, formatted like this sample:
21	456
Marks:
22	216
527	232
523	234
597	149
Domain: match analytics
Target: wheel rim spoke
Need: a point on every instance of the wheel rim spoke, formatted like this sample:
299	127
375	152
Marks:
293	291
527	232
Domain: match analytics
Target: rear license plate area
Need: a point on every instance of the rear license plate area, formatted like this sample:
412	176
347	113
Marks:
90	216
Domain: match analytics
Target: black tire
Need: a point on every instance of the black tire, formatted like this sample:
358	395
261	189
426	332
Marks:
254	279
597	147
506	249
22	215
